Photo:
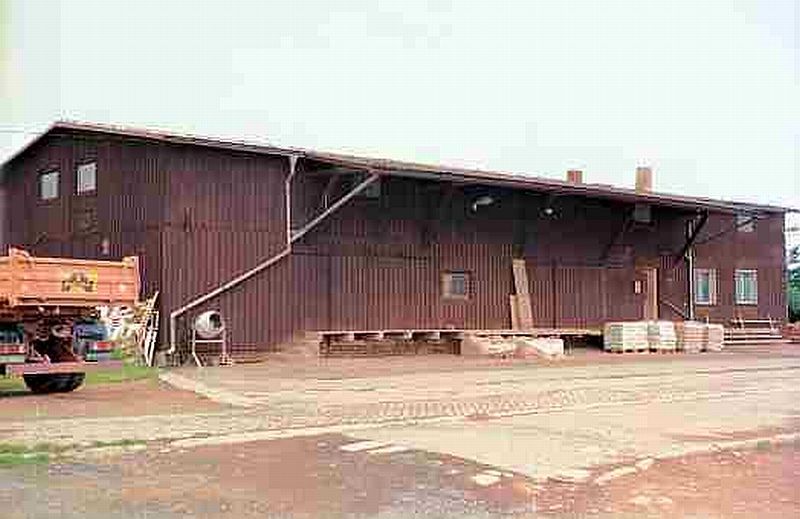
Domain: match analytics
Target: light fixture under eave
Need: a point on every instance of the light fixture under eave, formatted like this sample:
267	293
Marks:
481	201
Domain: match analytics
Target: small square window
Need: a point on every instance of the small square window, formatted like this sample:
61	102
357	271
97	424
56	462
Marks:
705	286
745	223
48	185
455	285
746	287
86	178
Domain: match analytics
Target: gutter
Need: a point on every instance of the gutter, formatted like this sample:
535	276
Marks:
291	238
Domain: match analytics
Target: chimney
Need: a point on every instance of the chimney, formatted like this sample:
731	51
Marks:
644	179
575	176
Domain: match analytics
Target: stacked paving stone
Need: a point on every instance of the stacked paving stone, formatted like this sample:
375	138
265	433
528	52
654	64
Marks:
691	336
715	336
626	336
661	336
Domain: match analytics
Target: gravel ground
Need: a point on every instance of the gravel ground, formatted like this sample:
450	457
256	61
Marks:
141	397
484	441
315	477
757	483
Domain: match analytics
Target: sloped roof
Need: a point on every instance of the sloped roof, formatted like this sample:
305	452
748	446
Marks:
410	169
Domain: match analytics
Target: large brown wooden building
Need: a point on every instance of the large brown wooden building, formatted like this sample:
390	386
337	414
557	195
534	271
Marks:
333	242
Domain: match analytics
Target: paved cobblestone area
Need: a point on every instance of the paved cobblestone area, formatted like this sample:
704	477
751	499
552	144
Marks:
493	395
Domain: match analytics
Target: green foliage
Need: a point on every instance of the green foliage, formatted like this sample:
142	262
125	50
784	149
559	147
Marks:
793	296
793	283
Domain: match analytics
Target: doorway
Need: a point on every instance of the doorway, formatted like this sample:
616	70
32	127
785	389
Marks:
647	286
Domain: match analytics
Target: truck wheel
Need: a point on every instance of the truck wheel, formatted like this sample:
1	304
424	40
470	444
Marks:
54	383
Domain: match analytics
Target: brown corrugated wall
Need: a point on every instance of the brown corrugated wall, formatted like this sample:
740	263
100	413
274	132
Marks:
199	216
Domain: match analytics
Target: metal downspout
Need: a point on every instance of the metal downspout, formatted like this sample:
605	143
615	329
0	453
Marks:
689	255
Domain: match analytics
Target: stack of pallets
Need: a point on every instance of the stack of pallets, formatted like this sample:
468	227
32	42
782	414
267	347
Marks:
691	336
626	336
661	336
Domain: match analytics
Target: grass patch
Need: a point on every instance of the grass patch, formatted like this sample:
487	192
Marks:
763	445
12	454
115	443
11	385
128	373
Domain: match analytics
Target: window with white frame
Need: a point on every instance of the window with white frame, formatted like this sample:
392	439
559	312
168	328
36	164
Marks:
705	286
48	185
86	178
746	287
745	223
455	285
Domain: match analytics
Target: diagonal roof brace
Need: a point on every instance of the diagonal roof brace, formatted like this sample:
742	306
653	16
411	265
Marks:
697	226
296	234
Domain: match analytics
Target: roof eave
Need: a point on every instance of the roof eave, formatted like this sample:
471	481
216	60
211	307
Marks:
398	168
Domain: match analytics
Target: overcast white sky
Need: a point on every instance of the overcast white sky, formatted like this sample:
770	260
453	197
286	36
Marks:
707	92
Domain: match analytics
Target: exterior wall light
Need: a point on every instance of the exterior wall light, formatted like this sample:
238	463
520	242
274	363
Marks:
481	201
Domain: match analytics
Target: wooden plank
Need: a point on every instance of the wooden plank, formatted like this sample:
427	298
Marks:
520	276
522	301
525	312
513	305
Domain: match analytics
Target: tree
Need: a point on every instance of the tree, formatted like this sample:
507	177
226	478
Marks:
793	283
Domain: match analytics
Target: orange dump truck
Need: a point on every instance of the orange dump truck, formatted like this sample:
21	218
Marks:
44	302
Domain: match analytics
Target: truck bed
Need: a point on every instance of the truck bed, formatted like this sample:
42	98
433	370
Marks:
29	281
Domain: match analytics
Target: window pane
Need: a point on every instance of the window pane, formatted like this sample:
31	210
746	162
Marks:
745	223
86	180
48	185
746	287
703	288
455	284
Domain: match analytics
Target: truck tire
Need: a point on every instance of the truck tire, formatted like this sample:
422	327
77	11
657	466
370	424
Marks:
57	349
54	382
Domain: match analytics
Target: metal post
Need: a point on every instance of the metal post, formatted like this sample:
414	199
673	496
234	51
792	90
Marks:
689	255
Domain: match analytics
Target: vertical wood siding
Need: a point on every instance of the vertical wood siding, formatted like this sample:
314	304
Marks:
197	217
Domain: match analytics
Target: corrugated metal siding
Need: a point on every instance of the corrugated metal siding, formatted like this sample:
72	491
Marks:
197	217
582	296
225	215
4	212
622	303
543	290
762	249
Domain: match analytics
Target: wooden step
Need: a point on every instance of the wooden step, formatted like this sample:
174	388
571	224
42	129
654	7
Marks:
734	338
757	342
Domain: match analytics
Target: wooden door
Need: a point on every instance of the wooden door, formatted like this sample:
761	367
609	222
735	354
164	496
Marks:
647	283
